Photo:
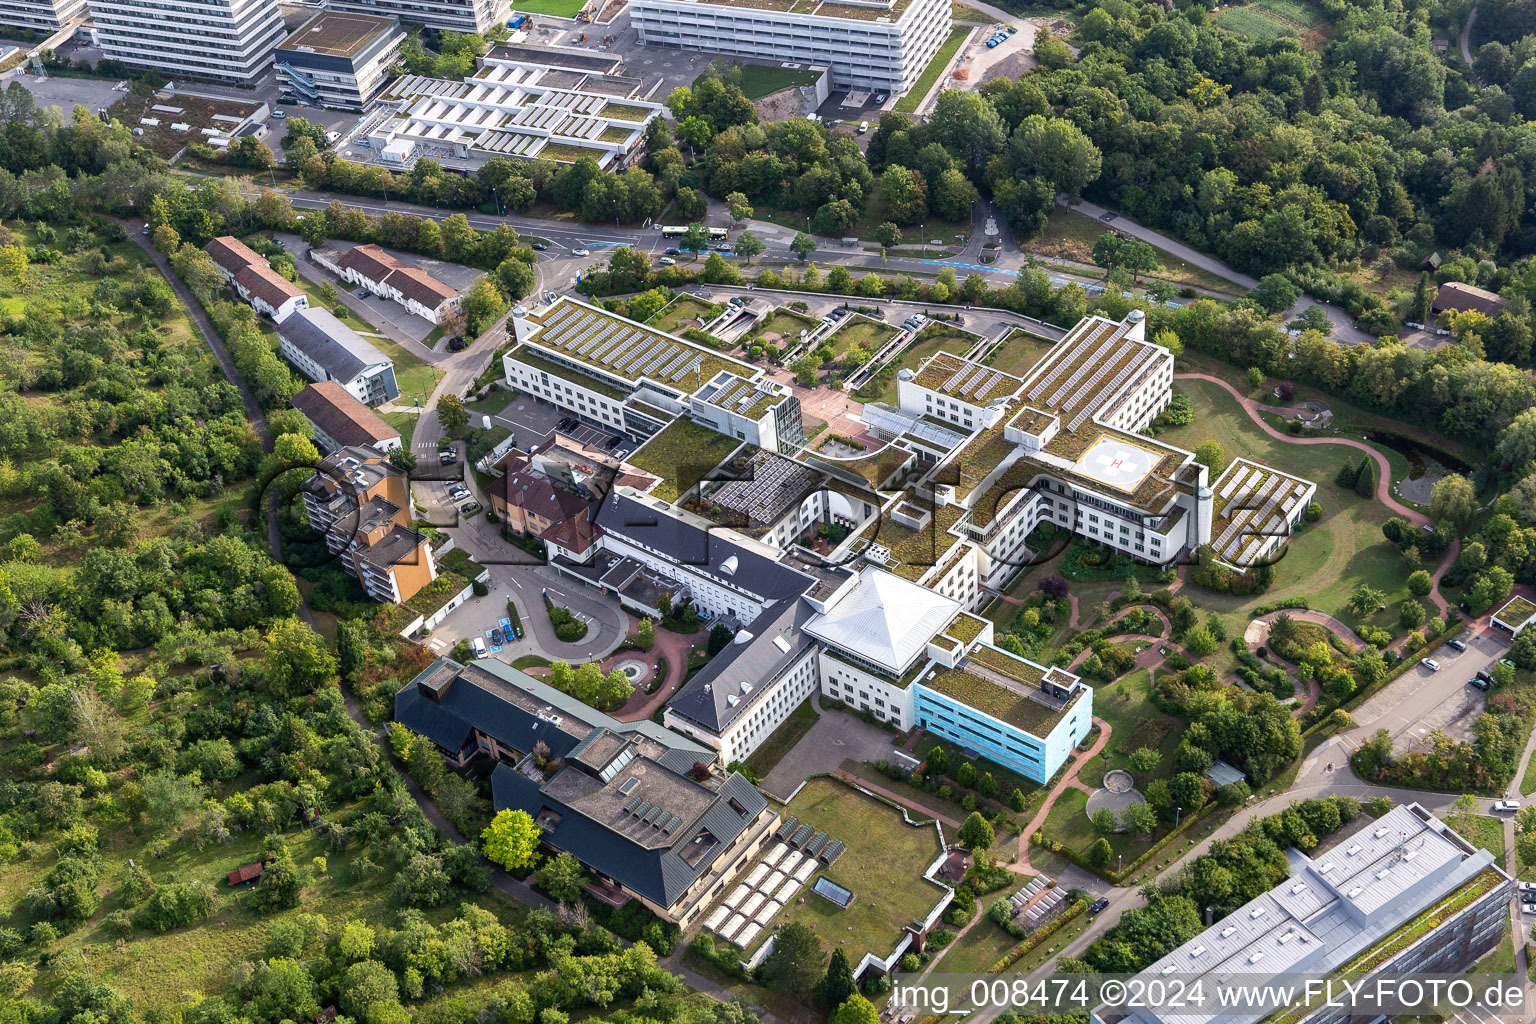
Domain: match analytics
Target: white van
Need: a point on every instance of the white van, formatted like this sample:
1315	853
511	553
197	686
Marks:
478	645
863	127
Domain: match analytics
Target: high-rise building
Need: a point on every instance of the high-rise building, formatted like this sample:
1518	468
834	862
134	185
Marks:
340	60
453	15
46	16
868	44
225	40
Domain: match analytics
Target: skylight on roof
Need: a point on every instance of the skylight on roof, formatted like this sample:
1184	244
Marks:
1352	850
1356	891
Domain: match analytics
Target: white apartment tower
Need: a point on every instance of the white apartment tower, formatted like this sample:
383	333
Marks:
881	45
46	16
224	40
452	15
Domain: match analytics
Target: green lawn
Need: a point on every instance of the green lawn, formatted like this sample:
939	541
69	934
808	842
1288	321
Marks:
1480	830
982	946
553	8
787	324
883	865
416	378
1070	235
675	315
1270	19
405	422
862	331
681	454
925	81
1324	561
933	339
1019	353
759	80
1528	780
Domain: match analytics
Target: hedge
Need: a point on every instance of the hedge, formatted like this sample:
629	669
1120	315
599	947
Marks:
1042	840
1392	674
1283	603
1018	952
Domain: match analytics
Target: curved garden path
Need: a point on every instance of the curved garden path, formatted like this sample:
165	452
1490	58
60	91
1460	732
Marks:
1068	781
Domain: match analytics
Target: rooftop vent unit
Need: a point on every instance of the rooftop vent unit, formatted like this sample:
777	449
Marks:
1298	888
1383	873
1325	868
1197	951
1352	850
1255	956
1256	913
1228	930
1356	891
1383	830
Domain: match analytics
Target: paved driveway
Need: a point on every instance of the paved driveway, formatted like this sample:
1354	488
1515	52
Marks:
837	737
1419	700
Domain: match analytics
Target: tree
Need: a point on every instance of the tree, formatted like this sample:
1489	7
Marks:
517	279
561	877
1100	853
452	415
802	246
1365	600
720	636
805	370
695	239
739	207
1365	482
1104	820
1411	614
1275	293
976	833
511	839
855	1010
1139	817
748	245
365	988
1348	473
837	985
1145	759
645	634
797	962
1212	455
1420	583
296	659
1452	501
13	263
888	235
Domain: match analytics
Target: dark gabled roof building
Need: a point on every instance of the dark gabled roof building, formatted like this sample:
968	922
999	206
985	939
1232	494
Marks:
1456	297
637	804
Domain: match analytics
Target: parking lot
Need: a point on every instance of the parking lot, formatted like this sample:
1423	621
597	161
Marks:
1421	701
530	419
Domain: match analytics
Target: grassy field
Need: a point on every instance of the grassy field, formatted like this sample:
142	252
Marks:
680	312
982	946
417	379
1069	235
1325	560
553	8
1270	19
787	324
759	80
870	218
1480	830
925	81
883	866
1019	354
405	422
860	330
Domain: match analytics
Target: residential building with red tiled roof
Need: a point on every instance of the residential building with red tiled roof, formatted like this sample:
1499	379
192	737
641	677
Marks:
253	279
339	420
385	276
1456	297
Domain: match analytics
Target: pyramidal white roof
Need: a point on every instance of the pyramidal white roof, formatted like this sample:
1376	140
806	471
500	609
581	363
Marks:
884	619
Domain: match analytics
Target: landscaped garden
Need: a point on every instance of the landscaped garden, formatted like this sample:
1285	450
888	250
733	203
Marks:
858	339
936	337
681	454
784	326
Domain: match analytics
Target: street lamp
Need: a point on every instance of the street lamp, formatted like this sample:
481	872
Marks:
1178	812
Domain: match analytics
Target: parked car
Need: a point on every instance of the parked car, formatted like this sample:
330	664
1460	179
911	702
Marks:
580	252
1528	908
478	646
667	261
1456	645
1098	905
279	114
1430	663
880	98
331	138
1481	684
497	637
447	458
1506	806
469	508
863	127
1484	677
1528	897
458	492
673	251
538	246
1528	887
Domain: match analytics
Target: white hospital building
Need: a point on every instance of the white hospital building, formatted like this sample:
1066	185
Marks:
879	45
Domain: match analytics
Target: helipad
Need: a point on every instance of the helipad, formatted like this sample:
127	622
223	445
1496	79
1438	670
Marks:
1118	463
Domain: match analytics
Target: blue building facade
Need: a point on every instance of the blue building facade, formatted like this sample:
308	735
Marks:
964	723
